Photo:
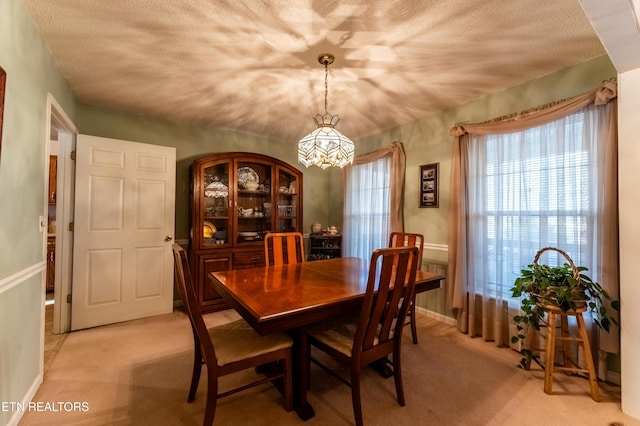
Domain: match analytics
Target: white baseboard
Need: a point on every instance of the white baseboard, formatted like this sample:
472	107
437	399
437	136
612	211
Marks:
28	397
436	316
613	377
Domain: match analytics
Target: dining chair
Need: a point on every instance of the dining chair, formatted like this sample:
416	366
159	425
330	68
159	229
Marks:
229	348
406	239
281	248
358	339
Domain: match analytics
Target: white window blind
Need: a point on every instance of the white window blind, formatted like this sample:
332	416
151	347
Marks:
529	190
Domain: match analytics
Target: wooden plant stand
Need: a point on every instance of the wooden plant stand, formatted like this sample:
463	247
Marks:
569	365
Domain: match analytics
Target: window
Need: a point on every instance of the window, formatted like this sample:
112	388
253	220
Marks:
3	78
367	208
528	190
545	177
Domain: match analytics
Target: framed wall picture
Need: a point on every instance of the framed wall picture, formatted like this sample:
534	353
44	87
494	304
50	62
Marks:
428	185
3	78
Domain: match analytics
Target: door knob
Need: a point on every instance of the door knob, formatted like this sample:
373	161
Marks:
168	238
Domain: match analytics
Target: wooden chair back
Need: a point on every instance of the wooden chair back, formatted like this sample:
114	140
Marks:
235	352
281	248
376	332
184	282
390	286
407	239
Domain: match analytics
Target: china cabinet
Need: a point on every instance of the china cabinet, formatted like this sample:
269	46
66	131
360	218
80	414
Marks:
235	199
324	246
51	240
53	181
51	264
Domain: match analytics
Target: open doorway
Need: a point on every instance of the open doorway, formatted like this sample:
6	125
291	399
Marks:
61	135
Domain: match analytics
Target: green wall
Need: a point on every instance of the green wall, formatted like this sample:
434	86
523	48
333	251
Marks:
192	142
31	74
20	338
427	141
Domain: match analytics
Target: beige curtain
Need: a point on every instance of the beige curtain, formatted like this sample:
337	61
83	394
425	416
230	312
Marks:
457	292
398	166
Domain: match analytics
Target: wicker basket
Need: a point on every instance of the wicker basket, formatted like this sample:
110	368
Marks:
579	295
576	272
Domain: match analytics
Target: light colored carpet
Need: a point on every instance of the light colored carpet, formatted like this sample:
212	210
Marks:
52	342
138	373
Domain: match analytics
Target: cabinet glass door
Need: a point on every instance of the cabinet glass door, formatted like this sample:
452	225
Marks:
215	204
254	210
287	196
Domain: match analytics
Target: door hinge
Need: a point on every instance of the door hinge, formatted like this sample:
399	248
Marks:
71	226
69	298
73	155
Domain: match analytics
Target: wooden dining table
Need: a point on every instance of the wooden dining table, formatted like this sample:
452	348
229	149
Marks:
289	297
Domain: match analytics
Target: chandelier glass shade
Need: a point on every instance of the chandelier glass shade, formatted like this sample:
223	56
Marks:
325	146
216	189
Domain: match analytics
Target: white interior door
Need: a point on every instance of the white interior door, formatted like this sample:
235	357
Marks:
124	224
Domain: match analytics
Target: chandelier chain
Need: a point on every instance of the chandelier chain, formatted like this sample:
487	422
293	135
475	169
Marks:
326	85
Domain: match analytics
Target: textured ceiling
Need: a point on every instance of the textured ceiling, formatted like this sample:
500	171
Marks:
251	65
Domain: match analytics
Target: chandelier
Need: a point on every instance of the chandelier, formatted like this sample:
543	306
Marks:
325	147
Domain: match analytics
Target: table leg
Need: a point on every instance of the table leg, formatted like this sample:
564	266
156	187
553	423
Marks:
301	375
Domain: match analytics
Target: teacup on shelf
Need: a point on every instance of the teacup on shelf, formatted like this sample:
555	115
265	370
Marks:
252	185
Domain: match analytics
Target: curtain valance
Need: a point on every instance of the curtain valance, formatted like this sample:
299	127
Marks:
398	160
538	116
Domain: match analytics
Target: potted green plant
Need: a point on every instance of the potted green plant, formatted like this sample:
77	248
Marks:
566	287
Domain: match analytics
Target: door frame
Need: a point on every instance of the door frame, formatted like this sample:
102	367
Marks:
56	118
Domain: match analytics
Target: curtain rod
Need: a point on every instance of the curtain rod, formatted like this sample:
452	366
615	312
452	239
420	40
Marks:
517	115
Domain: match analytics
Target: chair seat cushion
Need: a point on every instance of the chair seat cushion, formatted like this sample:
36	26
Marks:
237	340
337	332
